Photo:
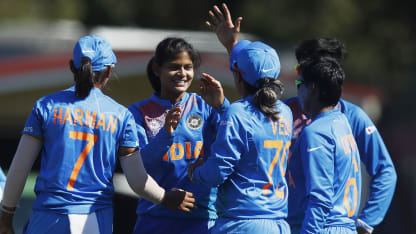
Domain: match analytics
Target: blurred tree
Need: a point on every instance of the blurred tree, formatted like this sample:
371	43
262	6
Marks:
379	35
41	9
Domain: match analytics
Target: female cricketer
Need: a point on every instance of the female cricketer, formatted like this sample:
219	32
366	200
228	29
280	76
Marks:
166	156
373	152
248	158
325	160
80	133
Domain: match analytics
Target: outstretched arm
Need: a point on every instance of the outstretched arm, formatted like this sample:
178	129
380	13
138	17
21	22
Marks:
221	23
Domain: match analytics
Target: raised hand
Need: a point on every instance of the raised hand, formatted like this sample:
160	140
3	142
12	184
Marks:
223	26
172	119
178	199
211	91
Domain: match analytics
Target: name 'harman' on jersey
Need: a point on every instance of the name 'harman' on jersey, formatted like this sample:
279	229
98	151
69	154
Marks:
81	138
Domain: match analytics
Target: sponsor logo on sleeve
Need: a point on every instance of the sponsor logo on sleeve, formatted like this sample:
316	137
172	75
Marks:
369	130
28	129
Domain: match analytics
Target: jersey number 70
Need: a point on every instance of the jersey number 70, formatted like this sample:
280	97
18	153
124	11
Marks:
278	145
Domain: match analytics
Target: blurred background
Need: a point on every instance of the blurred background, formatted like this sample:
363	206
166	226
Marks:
37	37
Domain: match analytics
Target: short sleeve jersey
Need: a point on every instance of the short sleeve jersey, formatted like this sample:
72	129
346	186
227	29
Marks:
81	138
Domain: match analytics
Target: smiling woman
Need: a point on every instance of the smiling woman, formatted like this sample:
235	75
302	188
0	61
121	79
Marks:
176	76
167	154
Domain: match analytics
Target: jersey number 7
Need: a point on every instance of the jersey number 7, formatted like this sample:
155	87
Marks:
91	139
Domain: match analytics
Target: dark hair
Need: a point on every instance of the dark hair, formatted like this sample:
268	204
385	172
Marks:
84	77
321	47
270	90
167	50
327	74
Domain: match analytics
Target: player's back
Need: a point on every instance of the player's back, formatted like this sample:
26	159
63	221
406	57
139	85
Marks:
256	188
80	142
332	127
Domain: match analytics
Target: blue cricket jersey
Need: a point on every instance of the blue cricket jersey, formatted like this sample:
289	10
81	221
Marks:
166	157
248	162
81	138
373	153
326	175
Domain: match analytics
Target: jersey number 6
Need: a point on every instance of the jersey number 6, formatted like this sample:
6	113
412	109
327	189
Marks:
91	139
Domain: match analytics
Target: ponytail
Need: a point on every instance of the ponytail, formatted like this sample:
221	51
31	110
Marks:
84	77
265	97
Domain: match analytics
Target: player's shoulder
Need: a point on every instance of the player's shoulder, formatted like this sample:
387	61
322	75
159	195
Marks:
56	97
324	121
282	107
138	104
110	103
240	106
353	112
349	108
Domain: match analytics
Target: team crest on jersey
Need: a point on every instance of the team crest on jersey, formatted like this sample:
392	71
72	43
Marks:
194	122
153	125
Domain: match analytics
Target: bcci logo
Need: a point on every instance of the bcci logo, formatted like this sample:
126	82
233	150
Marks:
194	122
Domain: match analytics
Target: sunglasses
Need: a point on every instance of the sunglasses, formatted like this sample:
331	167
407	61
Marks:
299	82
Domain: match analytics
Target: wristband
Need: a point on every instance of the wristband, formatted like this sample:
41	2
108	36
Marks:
7	210
364	225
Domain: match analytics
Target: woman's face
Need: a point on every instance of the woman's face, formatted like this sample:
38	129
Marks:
304	94
176	76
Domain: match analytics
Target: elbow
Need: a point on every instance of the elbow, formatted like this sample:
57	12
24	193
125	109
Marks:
209	179
393	175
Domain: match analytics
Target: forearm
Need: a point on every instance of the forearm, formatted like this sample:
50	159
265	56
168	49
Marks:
382	188
26	154
138	179
383	175
207	175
